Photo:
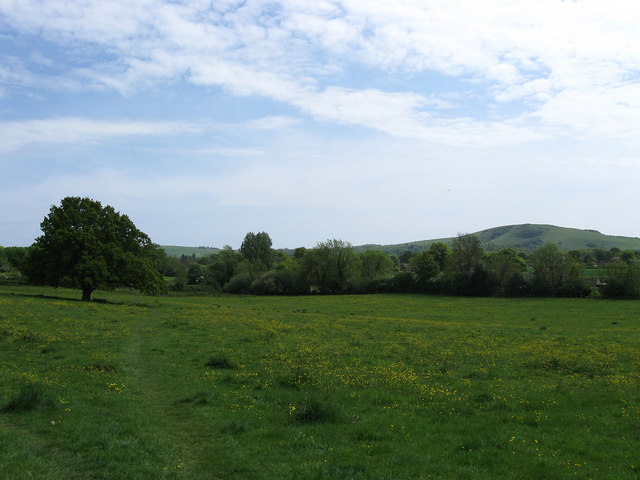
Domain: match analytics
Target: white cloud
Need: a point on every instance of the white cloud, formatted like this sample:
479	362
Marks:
612	113
230	152
306	189
275	122
540	53
13	72
18	134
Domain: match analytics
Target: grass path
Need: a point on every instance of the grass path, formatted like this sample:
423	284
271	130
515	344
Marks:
154	386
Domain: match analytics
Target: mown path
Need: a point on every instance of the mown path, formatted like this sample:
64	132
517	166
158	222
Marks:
153	386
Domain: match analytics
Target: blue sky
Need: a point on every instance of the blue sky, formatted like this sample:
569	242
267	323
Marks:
368	121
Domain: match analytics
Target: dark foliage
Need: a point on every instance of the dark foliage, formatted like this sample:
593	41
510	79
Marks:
85	245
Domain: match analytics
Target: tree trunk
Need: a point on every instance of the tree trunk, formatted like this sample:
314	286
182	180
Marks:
86	294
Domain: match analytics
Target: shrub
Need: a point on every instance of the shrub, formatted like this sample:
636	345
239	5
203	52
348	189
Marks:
517	285
403	282
240	283
265	285
378	285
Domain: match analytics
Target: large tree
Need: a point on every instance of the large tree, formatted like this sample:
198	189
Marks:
425	267
466	253
557	273
85	245
330	265
375	264
441	254
622	279
256	248
504	264
428	265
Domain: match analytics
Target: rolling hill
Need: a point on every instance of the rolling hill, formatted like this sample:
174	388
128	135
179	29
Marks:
525	237
176	251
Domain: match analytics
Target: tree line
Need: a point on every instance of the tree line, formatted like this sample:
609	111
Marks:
462	268
87	246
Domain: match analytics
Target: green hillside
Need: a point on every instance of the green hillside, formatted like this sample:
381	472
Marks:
526	237
176	251
531	236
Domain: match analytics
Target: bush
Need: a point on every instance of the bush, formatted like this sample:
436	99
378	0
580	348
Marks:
266	285
240	283
482	283
378	285
403	282
278	282
517	285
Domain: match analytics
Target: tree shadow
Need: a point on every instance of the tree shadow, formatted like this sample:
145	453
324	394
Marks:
102	301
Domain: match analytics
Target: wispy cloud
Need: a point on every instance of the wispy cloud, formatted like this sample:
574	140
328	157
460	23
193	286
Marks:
335	106
275	122
18	134
540	54
230	152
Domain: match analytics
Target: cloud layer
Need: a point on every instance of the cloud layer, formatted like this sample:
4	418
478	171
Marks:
564	63
461	113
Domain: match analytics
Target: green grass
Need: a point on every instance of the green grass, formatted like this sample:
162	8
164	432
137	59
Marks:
354	387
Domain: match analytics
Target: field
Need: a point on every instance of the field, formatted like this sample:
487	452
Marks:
353	387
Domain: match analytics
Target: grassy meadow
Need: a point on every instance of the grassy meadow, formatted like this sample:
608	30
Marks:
353	387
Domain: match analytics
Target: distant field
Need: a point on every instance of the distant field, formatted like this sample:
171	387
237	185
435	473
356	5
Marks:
176	251
354	387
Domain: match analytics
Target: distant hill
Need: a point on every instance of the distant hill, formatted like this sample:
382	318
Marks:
175	251
527	237
531	236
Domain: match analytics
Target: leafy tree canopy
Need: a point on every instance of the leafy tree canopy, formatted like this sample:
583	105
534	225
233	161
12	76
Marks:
440	252
375	263
425	267
85	245
466	253
256	248
330	264
622	279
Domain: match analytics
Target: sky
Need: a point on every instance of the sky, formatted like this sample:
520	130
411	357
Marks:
368	121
